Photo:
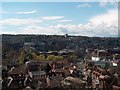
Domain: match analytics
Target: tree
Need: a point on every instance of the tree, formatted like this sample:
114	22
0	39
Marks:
22	56
54	58
51	57
34	56
47	68
73	58
41	57
58	58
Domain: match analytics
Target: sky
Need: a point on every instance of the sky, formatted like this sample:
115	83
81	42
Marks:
99	19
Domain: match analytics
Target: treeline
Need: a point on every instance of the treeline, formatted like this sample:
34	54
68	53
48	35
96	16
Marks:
46	43
35	56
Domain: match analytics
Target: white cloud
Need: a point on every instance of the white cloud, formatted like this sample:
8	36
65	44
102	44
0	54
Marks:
109	18
101	25
84	5
28	12
112	3
52	17
4	12
103	4
35	29
19	21
89	29
64	21
109	0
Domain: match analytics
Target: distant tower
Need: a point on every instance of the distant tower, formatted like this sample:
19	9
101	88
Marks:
66	35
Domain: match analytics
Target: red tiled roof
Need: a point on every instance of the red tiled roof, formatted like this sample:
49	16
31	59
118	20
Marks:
18	70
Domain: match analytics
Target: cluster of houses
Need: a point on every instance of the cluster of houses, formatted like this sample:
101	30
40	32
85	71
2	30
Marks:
40	74
102	57
93	72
